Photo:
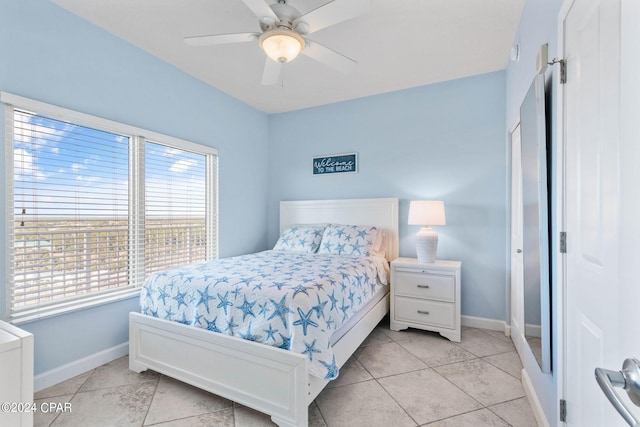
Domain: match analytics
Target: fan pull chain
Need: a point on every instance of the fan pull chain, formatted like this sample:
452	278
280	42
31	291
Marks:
282	74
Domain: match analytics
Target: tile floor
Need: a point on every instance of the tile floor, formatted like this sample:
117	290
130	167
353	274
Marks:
407	378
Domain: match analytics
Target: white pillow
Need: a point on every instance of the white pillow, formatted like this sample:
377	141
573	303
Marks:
352	240
300	238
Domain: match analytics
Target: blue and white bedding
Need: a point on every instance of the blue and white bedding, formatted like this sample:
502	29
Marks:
294	301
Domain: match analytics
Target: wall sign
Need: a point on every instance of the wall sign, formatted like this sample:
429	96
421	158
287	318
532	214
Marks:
336	163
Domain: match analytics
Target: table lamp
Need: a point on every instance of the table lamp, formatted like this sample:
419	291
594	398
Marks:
426	213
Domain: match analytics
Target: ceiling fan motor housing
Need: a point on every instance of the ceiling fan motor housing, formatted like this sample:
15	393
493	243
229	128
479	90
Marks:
286	16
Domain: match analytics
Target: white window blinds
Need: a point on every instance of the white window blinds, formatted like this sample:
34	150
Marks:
175	207
70	224
94	211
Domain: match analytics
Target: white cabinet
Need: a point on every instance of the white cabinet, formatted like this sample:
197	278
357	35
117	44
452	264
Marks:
16	376
426	296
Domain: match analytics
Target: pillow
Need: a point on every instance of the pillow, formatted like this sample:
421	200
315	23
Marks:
300	238
353	240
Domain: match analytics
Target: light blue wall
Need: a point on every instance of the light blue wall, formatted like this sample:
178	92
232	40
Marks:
50	55
444	141
538	25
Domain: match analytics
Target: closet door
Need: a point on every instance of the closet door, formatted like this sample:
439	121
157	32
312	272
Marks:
517	298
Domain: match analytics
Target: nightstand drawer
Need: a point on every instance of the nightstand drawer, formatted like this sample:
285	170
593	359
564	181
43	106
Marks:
424	285
425	312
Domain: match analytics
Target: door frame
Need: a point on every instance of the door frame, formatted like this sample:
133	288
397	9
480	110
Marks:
559	260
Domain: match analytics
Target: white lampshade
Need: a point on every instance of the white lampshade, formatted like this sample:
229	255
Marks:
281	45
426	213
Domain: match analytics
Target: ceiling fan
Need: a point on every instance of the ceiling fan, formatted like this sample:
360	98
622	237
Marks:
284	32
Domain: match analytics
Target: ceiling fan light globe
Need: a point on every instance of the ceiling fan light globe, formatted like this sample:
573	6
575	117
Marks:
281	45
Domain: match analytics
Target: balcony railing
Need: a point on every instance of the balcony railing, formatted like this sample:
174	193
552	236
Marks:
61	259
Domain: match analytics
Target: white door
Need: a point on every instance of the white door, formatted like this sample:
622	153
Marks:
517	311
602	186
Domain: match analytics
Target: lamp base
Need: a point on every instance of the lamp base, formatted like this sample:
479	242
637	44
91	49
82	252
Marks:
426	245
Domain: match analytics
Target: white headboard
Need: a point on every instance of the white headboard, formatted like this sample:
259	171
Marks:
381	213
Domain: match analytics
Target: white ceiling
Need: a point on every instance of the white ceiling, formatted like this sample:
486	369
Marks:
400	44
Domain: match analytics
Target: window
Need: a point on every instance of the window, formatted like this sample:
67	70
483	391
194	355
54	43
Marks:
95	207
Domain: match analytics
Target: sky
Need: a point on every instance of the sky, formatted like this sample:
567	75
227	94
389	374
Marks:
63	169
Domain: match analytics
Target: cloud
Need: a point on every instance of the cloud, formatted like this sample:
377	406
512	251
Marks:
30	130
168	151
183	165
22	159
23	165
88	179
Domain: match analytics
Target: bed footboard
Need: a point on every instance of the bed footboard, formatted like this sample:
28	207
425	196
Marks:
267	379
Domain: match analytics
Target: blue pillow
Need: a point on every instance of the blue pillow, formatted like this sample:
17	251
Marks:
352	240
300	238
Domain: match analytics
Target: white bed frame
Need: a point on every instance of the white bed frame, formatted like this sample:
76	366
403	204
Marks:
272	380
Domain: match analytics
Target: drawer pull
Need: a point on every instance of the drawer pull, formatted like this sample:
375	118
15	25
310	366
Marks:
423	312
423	286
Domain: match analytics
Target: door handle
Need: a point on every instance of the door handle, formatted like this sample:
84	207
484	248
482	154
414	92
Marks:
629	380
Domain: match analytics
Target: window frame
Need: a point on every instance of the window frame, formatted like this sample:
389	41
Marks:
136	208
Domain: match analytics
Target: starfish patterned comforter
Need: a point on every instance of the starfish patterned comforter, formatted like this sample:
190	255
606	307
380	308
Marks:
289	300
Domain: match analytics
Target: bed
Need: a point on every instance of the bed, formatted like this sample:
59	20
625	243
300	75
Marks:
267	378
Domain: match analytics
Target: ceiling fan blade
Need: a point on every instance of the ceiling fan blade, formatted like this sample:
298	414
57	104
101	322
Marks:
261	9
271	73
329	57
333	13
220	39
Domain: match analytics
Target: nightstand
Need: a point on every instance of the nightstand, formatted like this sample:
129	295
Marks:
426	296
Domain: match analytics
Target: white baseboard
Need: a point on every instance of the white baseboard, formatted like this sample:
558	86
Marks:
80	366
484	323
77	367
536	407
532	330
